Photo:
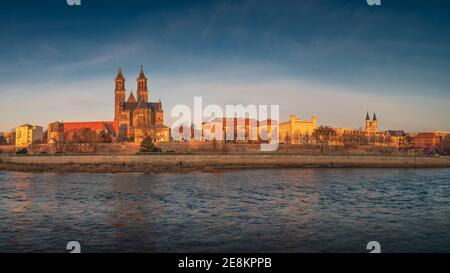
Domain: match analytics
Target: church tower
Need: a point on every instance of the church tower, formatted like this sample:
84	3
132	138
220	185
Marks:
119	93
371	125
367	121
142	90
374	122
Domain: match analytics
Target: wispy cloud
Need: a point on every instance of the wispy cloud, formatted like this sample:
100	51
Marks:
328	58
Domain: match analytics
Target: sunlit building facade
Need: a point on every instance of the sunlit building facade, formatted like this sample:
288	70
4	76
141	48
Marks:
28	134
297	131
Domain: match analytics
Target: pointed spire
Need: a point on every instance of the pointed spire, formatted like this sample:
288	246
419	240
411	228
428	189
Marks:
374	116
142	75
119	74
131	98
367	116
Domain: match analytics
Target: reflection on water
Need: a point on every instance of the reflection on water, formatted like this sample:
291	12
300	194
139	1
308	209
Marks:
282	210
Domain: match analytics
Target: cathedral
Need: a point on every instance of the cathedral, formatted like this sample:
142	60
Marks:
371	125
136	117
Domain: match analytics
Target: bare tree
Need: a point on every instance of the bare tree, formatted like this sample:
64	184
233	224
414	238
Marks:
85	135
104	137
349	139
297	137
323	136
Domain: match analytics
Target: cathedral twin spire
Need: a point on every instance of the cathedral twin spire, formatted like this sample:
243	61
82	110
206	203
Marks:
371	126
142	89
120	75
120	81
141	74
374	116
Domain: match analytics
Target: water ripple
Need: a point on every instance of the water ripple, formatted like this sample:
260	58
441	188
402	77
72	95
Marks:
291	210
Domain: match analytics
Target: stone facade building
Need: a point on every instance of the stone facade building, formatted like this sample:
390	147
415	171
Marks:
426	140
8	138
396	138
297	131
371	125
55	132
238	130
28	134
61	132
136	116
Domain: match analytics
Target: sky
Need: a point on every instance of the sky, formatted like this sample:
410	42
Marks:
334	59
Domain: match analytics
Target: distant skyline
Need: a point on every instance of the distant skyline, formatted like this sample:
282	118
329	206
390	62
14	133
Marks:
329	58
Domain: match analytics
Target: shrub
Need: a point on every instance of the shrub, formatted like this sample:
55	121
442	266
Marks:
147	146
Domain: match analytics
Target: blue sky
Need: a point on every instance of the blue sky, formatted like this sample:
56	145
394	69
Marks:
334	59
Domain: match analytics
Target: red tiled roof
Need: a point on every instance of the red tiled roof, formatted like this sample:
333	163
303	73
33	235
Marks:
425	135
93	125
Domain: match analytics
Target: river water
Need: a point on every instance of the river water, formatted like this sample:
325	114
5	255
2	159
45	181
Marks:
267	210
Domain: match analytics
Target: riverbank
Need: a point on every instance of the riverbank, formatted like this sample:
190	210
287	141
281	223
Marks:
207	162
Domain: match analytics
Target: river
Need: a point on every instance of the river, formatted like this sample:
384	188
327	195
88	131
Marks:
258	210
